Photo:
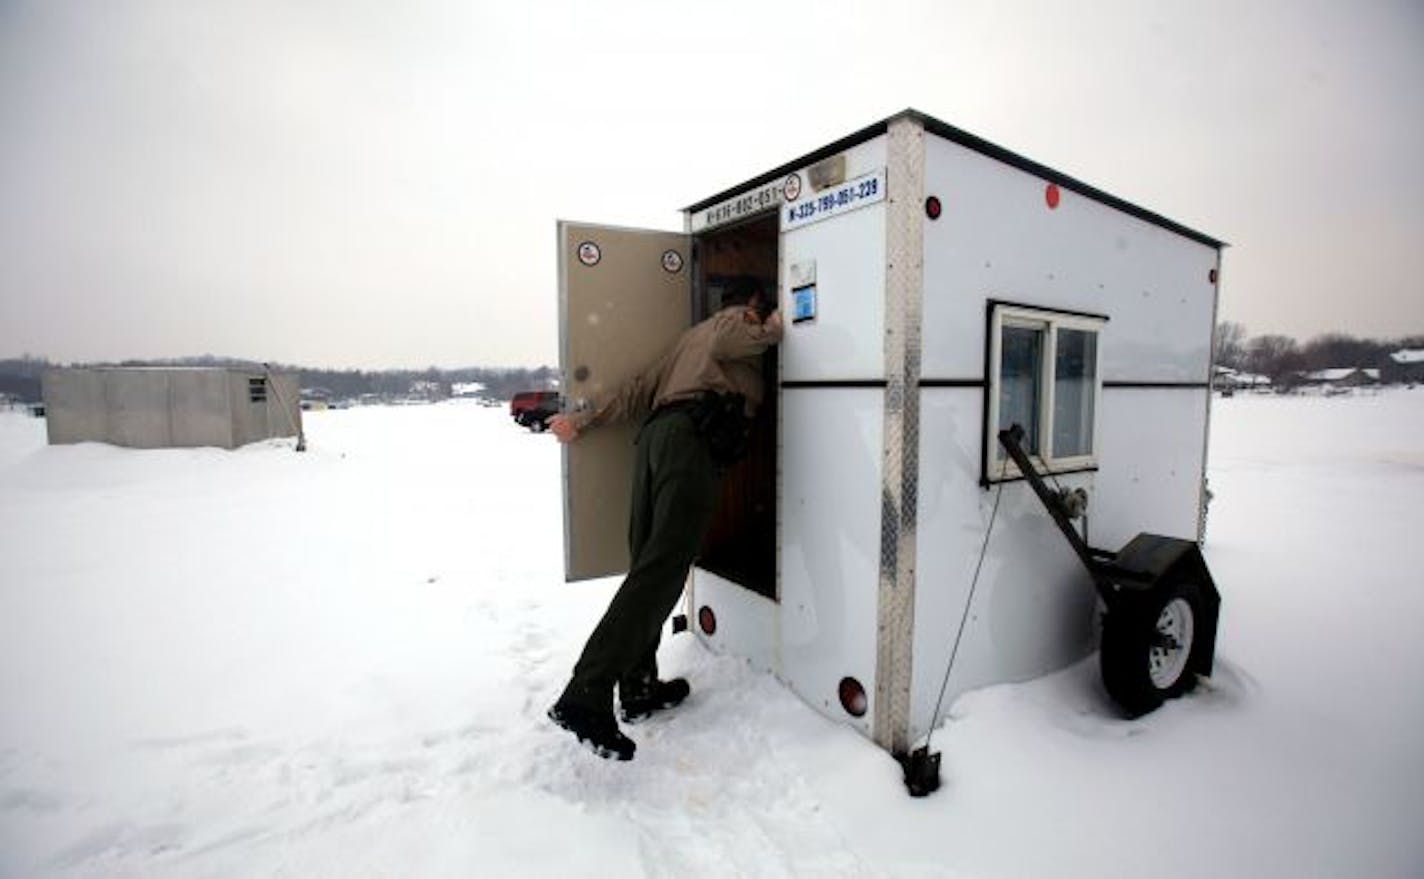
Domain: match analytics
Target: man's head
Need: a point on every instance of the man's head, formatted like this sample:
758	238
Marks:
741	290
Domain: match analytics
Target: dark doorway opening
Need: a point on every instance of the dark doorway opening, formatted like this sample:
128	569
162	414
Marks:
741	542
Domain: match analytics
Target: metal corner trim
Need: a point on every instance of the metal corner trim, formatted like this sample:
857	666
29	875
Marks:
904	282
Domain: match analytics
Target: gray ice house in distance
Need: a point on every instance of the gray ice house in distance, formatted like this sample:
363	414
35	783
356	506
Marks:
163	407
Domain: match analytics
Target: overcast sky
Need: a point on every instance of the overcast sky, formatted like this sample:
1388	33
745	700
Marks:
376	184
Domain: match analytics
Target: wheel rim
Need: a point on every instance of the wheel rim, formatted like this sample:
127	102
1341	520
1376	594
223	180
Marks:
1172	643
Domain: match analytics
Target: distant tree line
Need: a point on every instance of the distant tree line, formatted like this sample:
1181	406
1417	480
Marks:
1281	359
20	377
499	383
1278	357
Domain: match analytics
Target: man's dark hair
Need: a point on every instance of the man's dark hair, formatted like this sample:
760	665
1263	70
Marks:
740	290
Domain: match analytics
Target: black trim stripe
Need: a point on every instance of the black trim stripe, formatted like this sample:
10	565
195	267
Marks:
978	145
836	383
990	480
1161	386
951	383
979	383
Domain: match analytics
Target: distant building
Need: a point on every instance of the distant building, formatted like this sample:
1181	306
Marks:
315	399
1344	377
1227	379
161	407
1405	365
467	389
424	390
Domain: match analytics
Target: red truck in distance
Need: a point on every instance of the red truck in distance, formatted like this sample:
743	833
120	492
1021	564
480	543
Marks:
532	409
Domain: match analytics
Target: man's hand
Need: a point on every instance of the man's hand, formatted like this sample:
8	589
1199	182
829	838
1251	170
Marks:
563	428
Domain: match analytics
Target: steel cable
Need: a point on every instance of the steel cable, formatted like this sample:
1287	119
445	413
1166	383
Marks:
964	617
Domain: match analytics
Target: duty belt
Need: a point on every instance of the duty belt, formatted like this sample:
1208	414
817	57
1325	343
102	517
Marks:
675	406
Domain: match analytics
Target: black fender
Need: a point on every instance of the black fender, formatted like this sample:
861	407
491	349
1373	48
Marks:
1152	562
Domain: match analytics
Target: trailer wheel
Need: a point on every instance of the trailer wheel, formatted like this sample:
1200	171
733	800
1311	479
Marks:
1147	646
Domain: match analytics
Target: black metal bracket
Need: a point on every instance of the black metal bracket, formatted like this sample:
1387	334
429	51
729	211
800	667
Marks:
921	770
1012	441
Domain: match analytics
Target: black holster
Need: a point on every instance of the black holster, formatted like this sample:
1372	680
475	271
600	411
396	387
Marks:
722	422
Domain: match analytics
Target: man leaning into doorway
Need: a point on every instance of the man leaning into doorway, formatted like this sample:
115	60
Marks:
696	402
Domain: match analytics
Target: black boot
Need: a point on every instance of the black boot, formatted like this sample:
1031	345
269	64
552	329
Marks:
639	703
595	729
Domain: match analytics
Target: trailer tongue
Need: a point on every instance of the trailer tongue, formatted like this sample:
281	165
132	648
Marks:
1159	629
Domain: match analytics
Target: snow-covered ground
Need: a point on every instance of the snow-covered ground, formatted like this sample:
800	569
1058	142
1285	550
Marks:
336	664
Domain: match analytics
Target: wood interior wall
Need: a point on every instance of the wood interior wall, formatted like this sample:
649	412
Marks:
741	541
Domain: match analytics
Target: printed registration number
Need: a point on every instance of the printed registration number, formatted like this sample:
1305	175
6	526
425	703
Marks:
846	197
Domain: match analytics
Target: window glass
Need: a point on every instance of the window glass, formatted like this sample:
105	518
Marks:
1074	383
1020	374
1045	379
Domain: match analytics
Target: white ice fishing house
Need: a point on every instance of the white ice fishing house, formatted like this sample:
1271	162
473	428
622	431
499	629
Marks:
935	288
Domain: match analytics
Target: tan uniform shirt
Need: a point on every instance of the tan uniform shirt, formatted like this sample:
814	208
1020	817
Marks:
722	354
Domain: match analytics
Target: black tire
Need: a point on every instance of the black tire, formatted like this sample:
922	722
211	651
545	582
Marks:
538	425
1148	644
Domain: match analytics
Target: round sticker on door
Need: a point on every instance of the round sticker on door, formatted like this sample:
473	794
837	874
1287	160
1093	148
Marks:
672	262
791	189
589	254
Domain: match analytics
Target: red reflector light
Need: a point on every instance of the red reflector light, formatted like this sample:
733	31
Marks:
1051	195
932	207
853	697
707	620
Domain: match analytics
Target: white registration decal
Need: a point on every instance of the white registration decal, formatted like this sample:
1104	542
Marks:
864	190
763	198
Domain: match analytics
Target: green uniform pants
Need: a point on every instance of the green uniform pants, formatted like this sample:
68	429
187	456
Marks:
674	493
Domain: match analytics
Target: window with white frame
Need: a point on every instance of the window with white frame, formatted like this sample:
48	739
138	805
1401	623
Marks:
1044	376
